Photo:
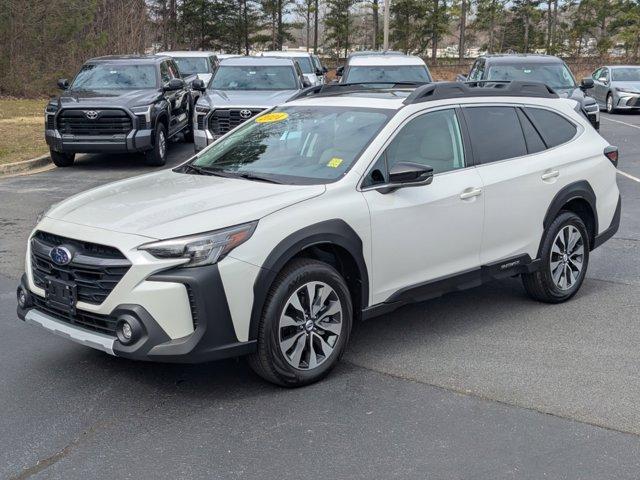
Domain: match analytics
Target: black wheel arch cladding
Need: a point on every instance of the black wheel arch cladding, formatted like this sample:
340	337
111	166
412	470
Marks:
334	232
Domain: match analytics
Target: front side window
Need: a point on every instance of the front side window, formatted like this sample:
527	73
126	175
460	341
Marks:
388	74
296	145
495	133
192	65
165	75
555	75
115	77
305	64
432	139
255	77
626	74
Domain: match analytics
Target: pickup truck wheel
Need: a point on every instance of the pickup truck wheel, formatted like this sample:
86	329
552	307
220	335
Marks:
305	324
157	156
62	159
564	257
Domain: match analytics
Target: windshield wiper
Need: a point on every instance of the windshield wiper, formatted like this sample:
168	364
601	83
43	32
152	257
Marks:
198	170
259	178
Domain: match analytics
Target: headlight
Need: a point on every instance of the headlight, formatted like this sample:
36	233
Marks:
203	248
202	109
143	110
624	90
591	107
51	108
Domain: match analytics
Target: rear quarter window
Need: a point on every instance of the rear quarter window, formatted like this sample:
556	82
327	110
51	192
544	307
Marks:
554	128
495	133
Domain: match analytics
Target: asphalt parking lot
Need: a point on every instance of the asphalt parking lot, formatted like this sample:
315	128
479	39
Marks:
478	384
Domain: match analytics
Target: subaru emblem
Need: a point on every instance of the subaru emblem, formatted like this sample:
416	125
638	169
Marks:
61	255
245	114
91	114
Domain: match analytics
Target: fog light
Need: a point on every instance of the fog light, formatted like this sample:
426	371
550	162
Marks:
128	329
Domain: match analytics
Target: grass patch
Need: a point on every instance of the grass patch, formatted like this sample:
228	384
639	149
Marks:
21	129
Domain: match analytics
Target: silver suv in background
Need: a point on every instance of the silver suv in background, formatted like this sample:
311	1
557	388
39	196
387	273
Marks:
617	87
241	88
385	68
309	68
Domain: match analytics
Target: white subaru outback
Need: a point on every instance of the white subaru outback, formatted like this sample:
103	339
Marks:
342	204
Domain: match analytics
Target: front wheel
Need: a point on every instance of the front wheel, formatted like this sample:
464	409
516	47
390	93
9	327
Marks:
61	159
305	324
610	107
564	257
157	156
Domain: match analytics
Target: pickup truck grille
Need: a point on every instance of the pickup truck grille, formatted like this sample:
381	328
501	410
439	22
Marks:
223	120
82	122
95	269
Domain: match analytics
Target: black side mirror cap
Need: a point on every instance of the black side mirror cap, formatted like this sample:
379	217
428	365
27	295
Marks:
586	83
407	174
174	84
319	72
63	84
198	84
325	70
339	71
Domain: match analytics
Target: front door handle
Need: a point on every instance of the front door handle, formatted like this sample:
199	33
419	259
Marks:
470	193
549	174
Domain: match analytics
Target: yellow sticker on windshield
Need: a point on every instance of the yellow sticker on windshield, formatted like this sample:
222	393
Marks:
272	117
334	162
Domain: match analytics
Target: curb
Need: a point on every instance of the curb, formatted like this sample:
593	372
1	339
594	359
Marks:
25	166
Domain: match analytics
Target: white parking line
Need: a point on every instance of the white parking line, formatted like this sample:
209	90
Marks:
618	121
629	176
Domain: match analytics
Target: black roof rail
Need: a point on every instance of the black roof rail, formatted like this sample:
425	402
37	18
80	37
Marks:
340	88
479	88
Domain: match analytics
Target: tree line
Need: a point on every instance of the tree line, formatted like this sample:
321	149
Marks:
41	40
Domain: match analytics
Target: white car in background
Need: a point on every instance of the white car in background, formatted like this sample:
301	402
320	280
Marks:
306	62
385	67
194	64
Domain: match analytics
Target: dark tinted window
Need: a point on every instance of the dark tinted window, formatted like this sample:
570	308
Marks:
554	129
531	135
495	133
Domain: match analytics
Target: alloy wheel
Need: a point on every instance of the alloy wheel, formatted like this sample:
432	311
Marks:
567	257
310	325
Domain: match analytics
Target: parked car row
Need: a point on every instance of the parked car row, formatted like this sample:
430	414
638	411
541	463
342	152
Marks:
318	207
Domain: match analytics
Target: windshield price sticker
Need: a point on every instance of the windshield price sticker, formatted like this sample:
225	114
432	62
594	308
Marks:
272	117
334	162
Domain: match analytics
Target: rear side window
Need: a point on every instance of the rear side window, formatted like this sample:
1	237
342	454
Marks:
531	135
495	133
555	129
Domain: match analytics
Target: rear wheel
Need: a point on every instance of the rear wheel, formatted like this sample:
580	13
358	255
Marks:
157	156
305	325
62	159
564	256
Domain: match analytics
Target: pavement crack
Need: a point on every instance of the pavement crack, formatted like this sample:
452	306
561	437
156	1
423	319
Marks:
470	393
45	463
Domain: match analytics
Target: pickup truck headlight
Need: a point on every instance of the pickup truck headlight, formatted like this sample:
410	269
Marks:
51	108
591	107
143	111
203	248
202	109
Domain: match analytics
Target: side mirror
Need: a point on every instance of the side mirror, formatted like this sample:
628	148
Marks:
174	84
63	84
407	174
461	78
319	72
339	71
306	82
586	83
198	84
602	79
325	70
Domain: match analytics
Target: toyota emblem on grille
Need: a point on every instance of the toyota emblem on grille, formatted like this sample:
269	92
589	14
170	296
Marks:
91	114
61	255
245	114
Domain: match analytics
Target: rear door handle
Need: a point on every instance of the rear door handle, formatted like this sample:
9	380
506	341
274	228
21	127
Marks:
548	175
470	193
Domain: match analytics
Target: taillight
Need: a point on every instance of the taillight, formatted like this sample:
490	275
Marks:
612	154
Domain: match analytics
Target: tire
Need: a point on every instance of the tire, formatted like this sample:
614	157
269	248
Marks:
62	159
300	349
610	107
554	282
157	156
188	135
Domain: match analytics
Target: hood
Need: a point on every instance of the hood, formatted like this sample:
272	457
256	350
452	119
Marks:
248	98
632	86
575	93
107	98
167	204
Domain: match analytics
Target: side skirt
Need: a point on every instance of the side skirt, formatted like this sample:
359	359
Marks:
460	281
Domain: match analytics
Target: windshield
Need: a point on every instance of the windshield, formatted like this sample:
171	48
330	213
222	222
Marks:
254	78
555	75
192	65
296	145
399	73
631	74
103	76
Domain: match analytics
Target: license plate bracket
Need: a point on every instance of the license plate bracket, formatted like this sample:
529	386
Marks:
61	294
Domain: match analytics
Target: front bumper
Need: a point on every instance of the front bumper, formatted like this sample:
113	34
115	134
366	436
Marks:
627	101
134	141
213	336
